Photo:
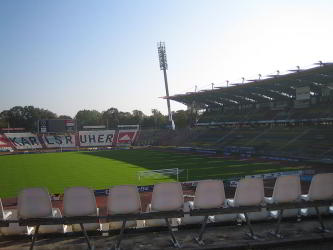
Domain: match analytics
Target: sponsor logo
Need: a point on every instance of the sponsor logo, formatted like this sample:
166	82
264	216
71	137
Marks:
126	137
4	142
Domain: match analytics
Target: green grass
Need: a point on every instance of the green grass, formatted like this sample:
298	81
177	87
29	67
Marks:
103	169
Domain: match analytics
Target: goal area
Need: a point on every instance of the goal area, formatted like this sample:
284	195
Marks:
160	173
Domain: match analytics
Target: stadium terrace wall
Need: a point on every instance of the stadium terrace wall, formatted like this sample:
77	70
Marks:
96	138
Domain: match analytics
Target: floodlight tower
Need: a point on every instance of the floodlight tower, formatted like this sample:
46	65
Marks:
164	67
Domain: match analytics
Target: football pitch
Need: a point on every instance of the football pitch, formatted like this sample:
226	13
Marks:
102	169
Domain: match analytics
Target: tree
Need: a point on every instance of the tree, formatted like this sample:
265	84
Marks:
88	118
138	116
159	120
26	117
65	117
3	123
125	118
111	117
181	118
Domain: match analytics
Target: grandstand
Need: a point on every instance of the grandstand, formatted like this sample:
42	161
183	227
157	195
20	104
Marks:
301	89
289	114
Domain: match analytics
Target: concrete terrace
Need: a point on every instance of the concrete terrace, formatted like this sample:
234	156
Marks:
298	235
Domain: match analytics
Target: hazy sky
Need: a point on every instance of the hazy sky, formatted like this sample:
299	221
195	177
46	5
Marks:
67	55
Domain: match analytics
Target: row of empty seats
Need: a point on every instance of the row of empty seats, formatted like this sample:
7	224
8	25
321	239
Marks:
35	214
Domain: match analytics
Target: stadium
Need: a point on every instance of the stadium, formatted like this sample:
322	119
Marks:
258	152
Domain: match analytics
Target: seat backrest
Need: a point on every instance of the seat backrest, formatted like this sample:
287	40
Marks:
249	192
209	194
167	197
287	189
124	199
34	203
321	187
79	201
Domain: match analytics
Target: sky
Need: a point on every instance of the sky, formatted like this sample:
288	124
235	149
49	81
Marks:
69	55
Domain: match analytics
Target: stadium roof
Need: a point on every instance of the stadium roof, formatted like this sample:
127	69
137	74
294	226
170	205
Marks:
274	88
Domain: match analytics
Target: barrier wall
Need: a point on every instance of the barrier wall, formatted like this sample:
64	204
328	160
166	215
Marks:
96	138
24	140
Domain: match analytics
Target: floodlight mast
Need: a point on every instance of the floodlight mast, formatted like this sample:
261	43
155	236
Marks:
164	67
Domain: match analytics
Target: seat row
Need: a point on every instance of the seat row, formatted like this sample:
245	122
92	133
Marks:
35	210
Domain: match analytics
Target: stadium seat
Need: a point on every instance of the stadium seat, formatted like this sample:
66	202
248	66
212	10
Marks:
123	200
34	203
89	227
287	189
321	188
249	192
155	222
13	228
188	220
208	194
47	229
81	201
168	197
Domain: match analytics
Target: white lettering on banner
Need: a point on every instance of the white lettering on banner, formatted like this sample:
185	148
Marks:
24	140
59	141
96	138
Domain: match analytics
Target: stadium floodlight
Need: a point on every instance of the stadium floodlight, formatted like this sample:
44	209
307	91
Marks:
298	69
164	66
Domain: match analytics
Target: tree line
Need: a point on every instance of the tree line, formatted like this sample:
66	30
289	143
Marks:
27	117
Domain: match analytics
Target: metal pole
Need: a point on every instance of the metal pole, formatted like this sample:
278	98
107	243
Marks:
167	93
34	237
202	230
164	67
